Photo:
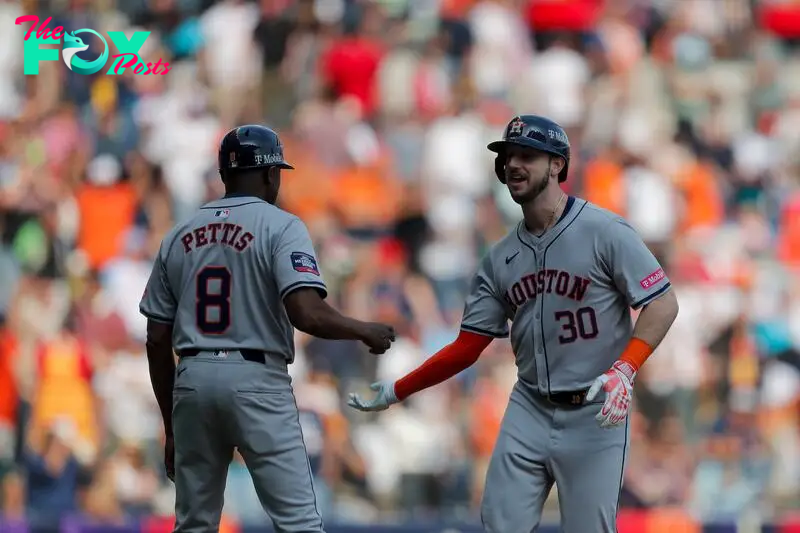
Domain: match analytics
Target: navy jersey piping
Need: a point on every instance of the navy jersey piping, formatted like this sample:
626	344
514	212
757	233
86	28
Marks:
232	206
622	469
157	318
650	297
484	332
541	307
320	286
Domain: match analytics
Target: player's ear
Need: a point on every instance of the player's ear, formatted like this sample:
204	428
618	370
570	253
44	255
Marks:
556	165
274	177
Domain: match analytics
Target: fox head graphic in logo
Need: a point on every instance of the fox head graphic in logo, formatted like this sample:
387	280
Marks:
74	44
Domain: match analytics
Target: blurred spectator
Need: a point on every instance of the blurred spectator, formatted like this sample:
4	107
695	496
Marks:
64	387
135	483
53	473
9	396
350	63
106	206
13	510
732	468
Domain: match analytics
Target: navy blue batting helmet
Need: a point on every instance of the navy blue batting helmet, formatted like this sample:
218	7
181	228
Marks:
251	146
536	132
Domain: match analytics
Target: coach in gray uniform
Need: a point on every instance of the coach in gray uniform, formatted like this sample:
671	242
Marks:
566	277
225	291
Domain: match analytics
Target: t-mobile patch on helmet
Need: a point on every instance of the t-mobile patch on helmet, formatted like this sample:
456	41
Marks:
652	279
268	159
303	262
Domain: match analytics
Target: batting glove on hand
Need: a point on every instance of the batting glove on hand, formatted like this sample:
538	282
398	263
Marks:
381	402
618	385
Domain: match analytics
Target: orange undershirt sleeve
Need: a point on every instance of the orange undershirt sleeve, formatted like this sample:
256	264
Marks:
444	364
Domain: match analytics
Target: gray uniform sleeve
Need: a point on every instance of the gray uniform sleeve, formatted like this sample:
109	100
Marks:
158	301
483	311
634	269
294	261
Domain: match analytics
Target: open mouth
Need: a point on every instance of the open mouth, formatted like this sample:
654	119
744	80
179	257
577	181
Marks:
516	178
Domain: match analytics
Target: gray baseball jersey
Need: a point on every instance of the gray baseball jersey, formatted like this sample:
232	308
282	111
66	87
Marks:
568	295
221	277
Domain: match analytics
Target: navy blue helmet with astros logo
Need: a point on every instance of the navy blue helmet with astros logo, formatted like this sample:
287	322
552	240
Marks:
251	146
536	132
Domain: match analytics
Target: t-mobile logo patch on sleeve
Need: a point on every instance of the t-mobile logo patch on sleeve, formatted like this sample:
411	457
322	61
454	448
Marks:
652	279
303	262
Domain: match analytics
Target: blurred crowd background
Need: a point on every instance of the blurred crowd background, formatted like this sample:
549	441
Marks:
684	116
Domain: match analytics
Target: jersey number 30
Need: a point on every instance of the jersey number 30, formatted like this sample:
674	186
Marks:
580	324
213	305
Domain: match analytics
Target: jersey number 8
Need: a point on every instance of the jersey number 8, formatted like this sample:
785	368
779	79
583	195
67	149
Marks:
580	324
213	305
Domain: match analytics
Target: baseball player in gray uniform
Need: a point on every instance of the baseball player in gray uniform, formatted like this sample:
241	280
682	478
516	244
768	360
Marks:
225	291
566	278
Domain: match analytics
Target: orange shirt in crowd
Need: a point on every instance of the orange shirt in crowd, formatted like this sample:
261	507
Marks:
8	384
366	197
306	190
789	237
106	214
487	415
702	199
64	386
604	185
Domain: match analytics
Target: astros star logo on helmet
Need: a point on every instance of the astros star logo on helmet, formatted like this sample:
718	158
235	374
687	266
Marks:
515	128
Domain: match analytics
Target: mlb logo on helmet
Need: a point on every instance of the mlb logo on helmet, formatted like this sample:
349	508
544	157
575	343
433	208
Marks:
233	159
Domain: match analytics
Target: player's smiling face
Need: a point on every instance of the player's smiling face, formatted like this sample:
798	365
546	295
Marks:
527	172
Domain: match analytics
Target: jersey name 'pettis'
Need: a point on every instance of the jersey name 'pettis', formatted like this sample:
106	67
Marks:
217	233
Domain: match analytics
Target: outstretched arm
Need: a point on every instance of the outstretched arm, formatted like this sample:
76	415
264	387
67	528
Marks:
484	319
444	364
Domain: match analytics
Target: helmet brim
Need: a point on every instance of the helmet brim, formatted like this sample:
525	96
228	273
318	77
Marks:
283	165
499	147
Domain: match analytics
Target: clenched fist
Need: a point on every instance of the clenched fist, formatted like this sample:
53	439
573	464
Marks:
379	337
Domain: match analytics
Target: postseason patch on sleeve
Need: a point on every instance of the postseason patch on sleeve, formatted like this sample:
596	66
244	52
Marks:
303	262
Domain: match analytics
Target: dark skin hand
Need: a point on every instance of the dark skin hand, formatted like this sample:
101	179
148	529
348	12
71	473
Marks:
305	306
162	376
309	313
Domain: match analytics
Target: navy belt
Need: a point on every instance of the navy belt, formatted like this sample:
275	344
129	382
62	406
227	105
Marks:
256	356
574	398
